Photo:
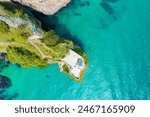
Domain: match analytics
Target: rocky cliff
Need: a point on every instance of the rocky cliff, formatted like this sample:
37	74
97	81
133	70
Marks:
48	7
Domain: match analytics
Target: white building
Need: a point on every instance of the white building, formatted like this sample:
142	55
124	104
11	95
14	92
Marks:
75	62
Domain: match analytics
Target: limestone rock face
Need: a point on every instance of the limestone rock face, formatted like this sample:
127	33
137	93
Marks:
48	7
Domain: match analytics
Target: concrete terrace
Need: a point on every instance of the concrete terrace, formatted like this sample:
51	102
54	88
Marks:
75	63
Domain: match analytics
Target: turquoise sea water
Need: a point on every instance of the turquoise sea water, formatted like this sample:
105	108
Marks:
116	36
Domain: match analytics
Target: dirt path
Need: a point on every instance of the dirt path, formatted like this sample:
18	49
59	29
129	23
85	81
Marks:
32	43
4	44
42	54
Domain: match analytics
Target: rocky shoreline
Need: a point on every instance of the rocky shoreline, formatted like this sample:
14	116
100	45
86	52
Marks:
47	7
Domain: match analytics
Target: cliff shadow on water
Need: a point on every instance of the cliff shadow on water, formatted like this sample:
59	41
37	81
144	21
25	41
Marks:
51	22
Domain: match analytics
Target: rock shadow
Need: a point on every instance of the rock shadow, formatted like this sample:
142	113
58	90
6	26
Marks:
52	23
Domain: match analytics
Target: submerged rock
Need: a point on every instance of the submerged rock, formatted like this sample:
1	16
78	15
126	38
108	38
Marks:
5	82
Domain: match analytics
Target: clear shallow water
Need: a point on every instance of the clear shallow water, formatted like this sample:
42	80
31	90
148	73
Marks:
116	37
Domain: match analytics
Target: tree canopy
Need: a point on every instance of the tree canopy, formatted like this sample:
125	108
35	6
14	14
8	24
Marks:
25	57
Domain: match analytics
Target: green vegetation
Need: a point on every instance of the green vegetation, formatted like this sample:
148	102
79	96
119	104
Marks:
20	34
29	52
65	68
9	10
25	58
4	28
50	39
58	47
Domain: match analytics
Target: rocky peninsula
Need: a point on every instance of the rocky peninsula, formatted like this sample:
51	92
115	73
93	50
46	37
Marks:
27	44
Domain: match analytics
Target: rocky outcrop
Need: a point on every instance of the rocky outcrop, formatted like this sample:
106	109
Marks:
48	7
